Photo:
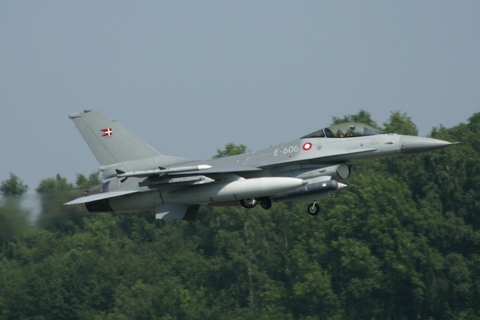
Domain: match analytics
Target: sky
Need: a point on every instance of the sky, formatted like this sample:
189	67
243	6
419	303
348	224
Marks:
188	77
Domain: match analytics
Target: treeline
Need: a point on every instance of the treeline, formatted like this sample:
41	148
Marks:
401	242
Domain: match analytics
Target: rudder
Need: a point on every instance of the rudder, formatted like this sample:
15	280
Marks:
109	141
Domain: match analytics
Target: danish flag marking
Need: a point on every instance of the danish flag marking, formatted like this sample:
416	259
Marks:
107	132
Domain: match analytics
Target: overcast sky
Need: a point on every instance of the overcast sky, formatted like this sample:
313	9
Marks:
190	77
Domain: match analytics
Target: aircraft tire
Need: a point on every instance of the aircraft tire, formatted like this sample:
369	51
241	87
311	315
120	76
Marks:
266	203
313	209
248	203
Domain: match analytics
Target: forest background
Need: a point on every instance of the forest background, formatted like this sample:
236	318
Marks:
401	242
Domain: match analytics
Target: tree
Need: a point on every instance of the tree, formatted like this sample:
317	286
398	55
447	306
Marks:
362	116
13	186
84	183
400	123
231	149
50	185
402	242
13	222
54	215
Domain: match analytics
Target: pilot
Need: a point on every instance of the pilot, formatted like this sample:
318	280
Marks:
351	131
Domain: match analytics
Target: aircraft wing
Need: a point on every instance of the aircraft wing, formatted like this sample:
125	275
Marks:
100	196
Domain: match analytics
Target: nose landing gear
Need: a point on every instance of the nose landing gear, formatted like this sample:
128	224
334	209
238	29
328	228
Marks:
314	209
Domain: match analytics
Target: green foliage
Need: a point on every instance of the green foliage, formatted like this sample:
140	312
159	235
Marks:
13	186
13	221
54	193
84	183
231	149
362	116
58	184
401	242
400	123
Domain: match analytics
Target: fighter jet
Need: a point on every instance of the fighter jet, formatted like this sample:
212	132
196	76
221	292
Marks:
139	178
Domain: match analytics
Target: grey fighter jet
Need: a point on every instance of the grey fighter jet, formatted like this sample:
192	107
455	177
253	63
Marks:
138	178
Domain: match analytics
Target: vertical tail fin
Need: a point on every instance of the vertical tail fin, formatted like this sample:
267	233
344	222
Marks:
109	141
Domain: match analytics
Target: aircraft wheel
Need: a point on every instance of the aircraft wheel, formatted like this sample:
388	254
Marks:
314	209
248	203
266	203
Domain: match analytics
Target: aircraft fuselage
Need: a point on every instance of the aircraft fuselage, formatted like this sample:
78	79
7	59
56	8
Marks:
307	169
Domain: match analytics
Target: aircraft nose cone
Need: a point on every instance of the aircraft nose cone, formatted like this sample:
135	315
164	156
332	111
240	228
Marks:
411	144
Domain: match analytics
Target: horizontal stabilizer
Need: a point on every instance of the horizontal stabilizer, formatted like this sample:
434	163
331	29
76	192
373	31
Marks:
100	196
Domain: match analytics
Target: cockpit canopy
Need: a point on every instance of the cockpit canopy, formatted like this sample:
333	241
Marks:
345	130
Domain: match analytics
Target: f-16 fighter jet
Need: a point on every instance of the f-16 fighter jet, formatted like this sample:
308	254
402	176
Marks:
138	177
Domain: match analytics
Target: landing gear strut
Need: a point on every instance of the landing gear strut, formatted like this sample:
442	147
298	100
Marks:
313	209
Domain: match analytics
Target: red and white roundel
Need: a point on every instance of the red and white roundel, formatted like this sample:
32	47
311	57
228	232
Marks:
307	146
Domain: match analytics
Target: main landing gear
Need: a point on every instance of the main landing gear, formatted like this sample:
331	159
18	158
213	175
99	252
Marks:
265	202
248	203
314	209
